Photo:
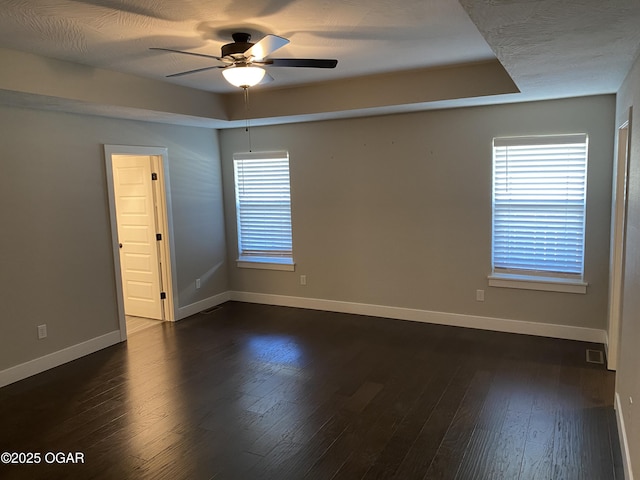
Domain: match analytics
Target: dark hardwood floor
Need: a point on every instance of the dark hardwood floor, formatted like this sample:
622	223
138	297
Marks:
260	392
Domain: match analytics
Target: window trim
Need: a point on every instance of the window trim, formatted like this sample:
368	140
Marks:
534	282
537	280
283	262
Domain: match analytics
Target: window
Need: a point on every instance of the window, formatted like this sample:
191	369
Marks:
539	200
263	206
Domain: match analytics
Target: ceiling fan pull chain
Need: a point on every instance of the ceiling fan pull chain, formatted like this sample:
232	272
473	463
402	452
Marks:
247	127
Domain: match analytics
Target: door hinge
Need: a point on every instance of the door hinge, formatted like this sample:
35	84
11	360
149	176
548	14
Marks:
163	295
158	236
154	176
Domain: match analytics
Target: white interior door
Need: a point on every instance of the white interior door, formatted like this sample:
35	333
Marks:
136	224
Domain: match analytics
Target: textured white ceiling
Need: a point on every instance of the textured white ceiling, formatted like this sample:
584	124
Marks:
366	36
550	48
561	48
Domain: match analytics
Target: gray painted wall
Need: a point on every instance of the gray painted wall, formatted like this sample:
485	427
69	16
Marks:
396	210
55	251
628	378
392	210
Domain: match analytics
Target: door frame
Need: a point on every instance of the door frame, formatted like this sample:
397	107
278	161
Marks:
159	162
619	203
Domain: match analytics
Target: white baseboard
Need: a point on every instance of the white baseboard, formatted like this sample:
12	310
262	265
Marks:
38	365
426	316
622	436
192	309
55	359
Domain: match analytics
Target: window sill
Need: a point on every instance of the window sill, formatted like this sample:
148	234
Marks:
267	263
531	282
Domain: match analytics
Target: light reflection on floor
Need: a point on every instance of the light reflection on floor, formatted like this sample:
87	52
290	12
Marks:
261	402
155	399
278	349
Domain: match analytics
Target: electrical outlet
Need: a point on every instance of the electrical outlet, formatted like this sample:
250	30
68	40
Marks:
197	283
303	279
480	295
42	331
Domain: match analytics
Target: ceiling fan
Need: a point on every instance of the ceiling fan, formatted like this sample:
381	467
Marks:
242	60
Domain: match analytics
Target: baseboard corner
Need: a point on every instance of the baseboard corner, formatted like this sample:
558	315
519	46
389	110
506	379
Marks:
197	307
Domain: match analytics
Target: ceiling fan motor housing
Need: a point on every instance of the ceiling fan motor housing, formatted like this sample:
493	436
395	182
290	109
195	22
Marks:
240	45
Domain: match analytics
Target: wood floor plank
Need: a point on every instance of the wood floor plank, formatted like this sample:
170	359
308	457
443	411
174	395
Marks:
537	460
313	449
507	460
371	427
390	459
421	454
476	464
453	447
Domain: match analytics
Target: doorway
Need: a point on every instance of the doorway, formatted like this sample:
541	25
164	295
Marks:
618	239
141	227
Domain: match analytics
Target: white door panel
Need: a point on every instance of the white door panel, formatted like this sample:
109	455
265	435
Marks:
137	235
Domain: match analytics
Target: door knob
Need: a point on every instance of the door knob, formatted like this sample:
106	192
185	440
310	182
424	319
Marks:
120	245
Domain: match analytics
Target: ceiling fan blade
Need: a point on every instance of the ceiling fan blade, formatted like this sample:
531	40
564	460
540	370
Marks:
266	79
302	62
194	71
186	53
264	47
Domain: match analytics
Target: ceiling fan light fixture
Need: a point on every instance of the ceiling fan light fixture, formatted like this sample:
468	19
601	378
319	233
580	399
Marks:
243	76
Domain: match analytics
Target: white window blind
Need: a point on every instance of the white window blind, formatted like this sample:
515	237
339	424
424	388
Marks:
539	200
263	204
